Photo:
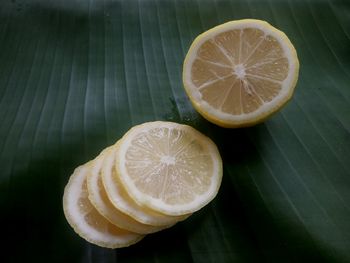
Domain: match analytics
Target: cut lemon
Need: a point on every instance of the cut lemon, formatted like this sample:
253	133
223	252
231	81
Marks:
239	73
99	198
123	202
85	219
168	167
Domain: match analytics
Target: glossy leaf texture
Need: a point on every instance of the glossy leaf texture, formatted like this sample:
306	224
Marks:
76	75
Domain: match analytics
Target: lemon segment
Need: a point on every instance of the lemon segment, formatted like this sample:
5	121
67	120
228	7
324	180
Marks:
239	73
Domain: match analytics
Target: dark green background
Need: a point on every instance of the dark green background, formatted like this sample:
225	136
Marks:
75	75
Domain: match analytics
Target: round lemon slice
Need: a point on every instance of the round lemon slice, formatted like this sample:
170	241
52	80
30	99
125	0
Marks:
99	198
123	202
85	219
239	73
169	167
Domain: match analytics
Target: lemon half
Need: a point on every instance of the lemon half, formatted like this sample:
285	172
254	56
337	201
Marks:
239	73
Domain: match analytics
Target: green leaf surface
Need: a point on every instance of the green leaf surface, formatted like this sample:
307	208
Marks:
76	75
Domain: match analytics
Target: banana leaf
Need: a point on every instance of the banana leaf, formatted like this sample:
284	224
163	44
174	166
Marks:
76	75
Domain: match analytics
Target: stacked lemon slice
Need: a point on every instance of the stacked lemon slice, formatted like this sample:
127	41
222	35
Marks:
158	174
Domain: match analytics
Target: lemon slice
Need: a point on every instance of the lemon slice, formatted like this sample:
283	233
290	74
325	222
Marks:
86	221
123	202
239	73
99	198
169	167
